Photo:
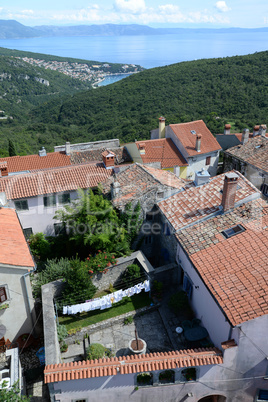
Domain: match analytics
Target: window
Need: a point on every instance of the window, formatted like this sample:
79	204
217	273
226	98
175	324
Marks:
166	229
208	160
64	198
233	231
187	286
27	232
264	189
21	205
59	228
50	200
263	395
3	294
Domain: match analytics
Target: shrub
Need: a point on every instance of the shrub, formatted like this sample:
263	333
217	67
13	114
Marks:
144	378
128	320
39	246
64	347
97	351
133	272
167	376
100	262
62	332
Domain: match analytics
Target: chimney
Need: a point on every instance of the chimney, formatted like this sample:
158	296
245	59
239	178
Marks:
227	129
42	152
198	142
262	130
142	148
108	159
201	177
3	169
245	136
162	127
229	191
256	130
67	148
115	189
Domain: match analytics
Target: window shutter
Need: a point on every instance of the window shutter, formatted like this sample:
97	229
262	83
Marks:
3	295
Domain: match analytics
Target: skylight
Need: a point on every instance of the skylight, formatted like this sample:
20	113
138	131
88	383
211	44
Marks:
193	132
233	231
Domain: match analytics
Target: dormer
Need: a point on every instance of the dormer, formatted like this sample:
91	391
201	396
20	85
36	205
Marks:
108	159
3	169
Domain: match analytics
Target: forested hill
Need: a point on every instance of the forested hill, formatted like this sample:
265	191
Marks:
216	90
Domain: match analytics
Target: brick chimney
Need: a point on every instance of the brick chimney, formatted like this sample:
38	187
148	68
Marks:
245	136
198	142
162	127
229	191
108	159
67	148
227	129
262	130
3	169
256	130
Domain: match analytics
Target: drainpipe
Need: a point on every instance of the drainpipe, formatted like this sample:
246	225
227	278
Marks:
28	300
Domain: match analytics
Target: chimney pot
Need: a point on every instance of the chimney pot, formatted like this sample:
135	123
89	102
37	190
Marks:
262	130
229	191
256	130
162	127
198	142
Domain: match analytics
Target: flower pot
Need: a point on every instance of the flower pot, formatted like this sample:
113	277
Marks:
141	350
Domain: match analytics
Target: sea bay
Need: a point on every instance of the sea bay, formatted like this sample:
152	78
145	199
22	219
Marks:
147	51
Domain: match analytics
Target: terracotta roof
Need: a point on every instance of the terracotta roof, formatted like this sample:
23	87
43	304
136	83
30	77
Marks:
162	150
254	152
234	269
132	364
188	138
31	162
54	180
121	156
138	180
14	249
196	203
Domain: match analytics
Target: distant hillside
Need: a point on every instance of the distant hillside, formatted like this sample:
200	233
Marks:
215	90
12	29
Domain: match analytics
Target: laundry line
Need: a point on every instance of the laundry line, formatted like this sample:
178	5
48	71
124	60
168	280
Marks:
106	301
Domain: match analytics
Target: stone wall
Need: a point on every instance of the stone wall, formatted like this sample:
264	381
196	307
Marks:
88	146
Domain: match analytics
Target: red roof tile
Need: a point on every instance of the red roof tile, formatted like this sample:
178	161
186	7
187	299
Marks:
233	269
50	181
14	249
132	364
188	139
196	203
31	162
162	150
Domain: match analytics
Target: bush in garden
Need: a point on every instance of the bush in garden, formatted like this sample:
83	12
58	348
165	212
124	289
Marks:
100	262
97	351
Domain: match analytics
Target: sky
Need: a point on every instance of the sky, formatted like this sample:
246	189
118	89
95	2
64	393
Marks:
155	13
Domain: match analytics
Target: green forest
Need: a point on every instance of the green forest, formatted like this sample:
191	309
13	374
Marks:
232	89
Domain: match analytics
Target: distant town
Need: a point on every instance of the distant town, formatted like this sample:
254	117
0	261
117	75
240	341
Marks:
83	71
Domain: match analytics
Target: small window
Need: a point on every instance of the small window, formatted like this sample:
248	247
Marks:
264	189
3	294
263	395
166	229
233	231
64	198
21	205
208	160
27	232
160	194
59	228
50	200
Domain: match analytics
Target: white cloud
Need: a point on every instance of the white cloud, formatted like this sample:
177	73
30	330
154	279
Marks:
222	6
130	6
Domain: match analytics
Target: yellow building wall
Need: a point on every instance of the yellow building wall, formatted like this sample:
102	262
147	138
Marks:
183	172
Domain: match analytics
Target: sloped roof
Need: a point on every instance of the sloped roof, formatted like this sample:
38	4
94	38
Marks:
188	207
255	152
132	364
162	150
188	138
228	141
137	180
31	162
13	246
54	180
234	269
121	156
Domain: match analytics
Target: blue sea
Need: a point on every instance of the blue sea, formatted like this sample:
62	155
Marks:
147	51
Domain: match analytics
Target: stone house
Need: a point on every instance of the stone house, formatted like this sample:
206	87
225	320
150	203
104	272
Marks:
17	314
181	148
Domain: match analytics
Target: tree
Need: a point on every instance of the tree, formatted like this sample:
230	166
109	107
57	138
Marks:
94	224
12	394
11	148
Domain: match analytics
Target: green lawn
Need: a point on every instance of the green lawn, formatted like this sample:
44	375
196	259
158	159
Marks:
84	319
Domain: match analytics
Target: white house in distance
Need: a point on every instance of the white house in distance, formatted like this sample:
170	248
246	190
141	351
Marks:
38	195
16	263
183	148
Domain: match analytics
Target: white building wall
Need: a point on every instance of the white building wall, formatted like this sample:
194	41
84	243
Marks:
38	217
203	304
17	317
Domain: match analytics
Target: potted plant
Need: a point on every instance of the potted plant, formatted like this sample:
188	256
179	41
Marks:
167	376
189	374
145	379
